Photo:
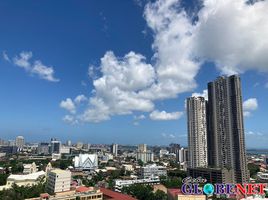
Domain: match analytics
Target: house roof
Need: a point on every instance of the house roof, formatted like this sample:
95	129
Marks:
111	195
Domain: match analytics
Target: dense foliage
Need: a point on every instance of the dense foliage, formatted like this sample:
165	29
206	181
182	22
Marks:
144	192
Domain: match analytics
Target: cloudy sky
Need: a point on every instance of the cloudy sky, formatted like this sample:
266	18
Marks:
119	71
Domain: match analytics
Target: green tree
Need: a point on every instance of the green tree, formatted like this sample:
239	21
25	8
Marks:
253	169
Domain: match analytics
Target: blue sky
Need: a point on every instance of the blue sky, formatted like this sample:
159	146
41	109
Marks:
119	56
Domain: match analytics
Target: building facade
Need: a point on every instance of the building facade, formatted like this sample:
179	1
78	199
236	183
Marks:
226	140
197	132
153	170
86	161
58	181
114	149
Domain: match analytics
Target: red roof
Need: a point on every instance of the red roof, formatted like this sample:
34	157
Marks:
82	189
111	195
174	192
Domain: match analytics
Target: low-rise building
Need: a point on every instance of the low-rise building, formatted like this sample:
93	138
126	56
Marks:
29	168
86	161
262	177
23	180
82	193
152	171
119	183
58	181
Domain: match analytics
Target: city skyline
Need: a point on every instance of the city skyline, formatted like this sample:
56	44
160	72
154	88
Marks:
96	74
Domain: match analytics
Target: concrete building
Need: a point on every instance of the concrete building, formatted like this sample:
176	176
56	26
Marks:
197	132
114	149
183	157
23	180
119	183
43	148
153	170
86	161
82	193
262	177
58	181
145	156
64	149
142	148
29	168
226	139
174	148
55	146
163	152
213	175
19	142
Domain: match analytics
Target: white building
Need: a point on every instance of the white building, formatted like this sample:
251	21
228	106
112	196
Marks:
119	183
163	152
19	142
86	161
29	168
58	181
114	149
145	156
153	170
64	149
197	132
23	180
142	147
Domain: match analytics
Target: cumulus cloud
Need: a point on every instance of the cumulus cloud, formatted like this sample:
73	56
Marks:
163	115
203	94
217	36
69	119
36	68
232	34
68	105
80	98
250	105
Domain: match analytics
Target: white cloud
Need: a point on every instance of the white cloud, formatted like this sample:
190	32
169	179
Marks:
254	133
168	136
68	105
250	105
23	60
129	83
218	38
70	119
5	56
80	98
163	115
44	72
36	68
266	85
203	94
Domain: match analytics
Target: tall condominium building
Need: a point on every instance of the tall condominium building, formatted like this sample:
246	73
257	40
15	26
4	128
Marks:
197	132
19	142
226	141
55	146
174	148
114	149
142	148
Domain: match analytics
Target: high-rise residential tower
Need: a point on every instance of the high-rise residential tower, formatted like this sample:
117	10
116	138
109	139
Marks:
197	132
226	141
19	142
114	149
